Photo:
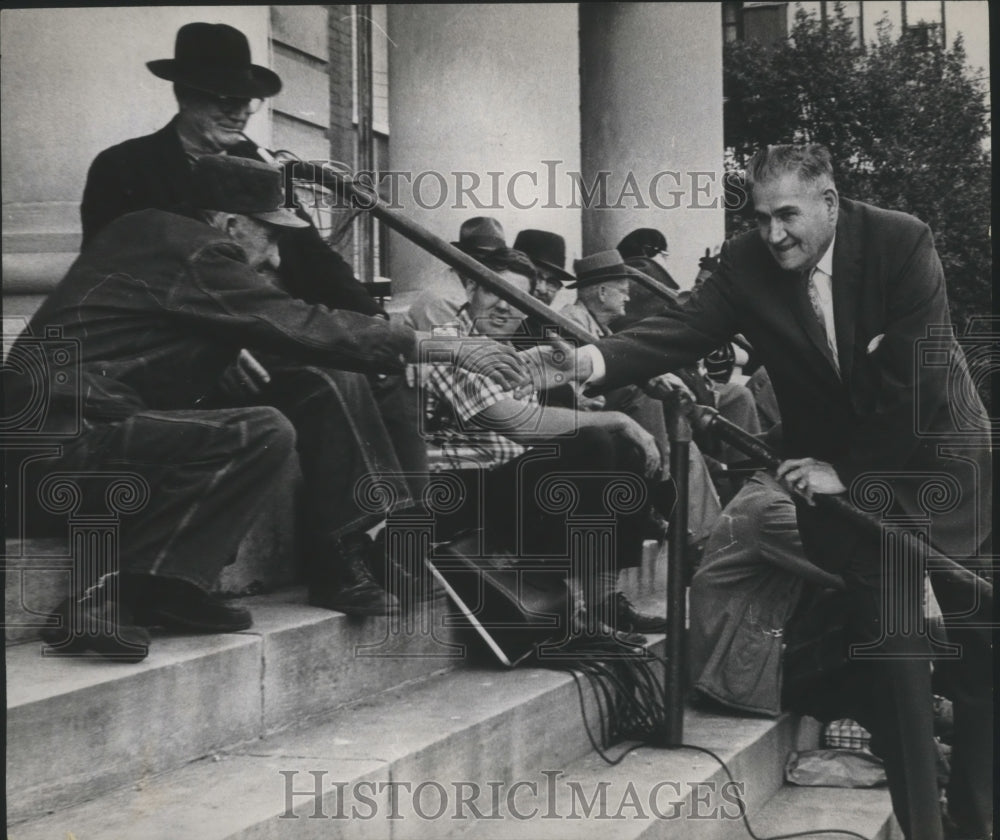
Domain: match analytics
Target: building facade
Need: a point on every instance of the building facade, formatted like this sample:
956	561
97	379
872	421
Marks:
588	120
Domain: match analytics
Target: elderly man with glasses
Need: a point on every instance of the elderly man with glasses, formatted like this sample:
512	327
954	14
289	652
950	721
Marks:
217	89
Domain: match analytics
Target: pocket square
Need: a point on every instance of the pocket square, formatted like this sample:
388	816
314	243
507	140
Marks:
874	343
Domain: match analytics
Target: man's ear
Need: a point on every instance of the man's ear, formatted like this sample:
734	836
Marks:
832	200
231	225
470	287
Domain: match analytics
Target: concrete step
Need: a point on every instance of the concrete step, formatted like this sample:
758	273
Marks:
39	570
664	793
111	723
791	809
456	740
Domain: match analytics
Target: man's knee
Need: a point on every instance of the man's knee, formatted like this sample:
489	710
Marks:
266	433
268	428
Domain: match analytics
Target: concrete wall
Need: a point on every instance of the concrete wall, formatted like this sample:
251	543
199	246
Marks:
651	110
483	88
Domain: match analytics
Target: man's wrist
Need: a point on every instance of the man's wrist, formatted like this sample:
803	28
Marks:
590	365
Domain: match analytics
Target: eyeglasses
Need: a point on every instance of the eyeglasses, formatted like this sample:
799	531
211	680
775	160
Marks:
229	105
235	104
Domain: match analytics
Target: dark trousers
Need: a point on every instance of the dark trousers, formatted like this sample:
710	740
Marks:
209	471
891	695
206	474
359	445
527	505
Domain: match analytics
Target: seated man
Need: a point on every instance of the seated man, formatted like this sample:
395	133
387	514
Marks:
602	284
547	252
160	303
768	628
479	427
438	305
752	576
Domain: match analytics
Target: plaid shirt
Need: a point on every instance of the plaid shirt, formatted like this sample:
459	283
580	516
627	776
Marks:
453	398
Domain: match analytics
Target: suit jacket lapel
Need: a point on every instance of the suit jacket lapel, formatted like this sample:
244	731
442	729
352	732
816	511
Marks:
847	272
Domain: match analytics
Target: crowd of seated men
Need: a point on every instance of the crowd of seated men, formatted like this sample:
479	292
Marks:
222	340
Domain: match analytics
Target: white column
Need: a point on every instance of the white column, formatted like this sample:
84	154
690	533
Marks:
651	111
474	90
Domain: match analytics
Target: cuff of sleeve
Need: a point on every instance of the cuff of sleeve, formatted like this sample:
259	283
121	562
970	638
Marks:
405	340
598	368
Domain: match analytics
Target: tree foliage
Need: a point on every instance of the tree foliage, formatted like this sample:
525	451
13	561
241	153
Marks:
906	126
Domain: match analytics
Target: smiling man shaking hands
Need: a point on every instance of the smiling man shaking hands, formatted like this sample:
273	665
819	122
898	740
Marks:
837	297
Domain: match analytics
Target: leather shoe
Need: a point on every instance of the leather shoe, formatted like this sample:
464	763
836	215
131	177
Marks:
356	592
620	613
183	607
88	625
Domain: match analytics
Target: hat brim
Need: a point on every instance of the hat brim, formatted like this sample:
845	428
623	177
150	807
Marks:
280	218
261	83
593	280
477	250
560	274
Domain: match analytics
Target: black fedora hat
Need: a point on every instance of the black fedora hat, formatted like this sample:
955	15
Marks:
546	249
215	58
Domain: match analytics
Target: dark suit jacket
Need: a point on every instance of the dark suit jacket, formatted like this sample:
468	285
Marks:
160	304
153	172
905	401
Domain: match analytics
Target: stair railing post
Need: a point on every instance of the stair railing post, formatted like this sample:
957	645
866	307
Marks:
678	424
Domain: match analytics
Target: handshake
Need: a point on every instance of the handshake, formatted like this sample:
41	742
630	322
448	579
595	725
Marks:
544	366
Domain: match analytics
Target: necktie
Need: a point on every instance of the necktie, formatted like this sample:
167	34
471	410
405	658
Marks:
822	304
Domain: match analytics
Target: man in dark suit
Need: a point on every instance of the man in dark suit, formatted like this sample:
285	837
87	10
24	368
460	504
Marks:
217	89
838	298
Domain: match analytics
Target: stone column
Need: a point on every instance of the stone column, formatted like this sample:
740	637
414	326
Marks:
651	117
480	97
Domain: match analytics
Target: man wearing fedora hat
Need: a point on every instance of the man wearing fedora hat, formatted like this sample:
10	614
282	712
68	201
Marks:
217	88
159	304
479	237
602	285
547	251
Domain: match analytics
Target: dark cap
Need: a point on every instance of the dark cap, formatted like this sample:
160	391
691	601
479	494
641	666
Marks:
239	185
642	242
